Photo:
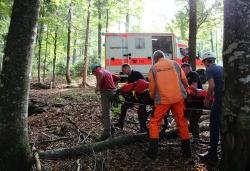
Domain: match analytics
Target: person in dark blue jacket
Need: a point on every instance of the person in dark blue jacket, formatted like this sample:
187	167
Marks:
214	76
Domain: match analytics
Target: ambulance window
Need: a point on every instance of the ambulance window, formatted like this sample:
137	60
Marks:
139	43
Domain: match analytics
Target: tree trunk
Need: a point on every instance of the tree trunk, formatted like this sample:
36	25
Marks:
212	41
0	66
99	33
45	56
68	78
107	20
192	32
127	22
86	60
216	47
236	103
40	39
54	61
15	150
74	53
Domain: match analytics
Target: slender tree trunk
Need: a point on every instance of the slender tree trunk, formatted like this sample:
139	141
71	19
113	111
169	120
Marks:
107	20
74	53
236	103
0	66
216	46
15	150
192	32
54	61
40	39
99	33
68	78
212	41
127	22
45	56
85	62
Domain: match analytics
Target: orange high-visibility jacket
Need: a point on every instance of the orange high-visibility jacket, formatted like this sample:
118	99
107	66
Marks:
167	82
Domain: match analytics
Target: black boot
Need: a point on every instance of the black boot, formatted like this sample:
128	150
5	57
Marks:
142	117
153	148
210	156
186	147
120	122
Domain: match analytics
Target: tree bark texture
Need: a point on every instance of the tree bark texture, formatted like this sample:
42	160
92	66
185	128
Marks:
192	32
68	78
86	60
236	103
15	150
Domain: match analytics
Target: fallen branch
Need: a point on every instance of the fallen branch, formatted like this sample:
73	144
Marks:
86	149
79	150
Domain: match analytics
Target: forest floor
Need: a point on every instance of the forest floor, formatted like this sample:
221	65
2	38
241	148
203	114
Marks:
70	109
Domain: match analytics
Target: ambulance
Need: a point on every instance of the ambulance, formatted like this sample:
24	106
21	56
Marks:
136	49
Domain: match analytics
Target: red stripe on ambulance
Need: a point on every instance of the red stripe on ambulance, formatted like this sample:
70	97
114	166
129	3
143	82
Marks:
132	61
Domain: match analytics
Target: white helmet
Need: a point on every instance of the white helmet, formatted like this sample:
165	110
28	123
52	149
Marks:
208	55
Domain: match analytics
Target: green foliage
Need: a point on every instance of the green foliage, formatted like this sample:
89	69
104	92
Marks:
209	19
54	16
77	69
5	11
60	68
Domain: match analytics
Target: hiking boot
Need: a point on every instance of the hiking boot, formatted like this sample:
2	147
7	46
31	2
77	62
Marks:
209	157
143	129
186	148
153	149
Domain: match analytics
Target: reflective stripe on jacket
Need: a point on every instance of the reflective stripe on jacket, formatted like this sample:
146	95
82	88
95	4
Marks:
167	82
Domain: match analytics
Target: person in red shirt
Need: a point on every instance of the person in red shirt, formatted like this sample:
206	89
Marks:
106	85
185	58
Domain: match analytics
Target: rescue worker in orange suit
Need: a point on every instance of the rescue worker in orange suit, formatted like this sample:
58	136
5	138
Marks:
106	85
133	76
194	116
167	86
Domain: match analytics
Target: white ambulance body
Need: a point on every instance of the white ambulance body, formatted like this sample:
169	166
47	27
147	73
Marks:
136	49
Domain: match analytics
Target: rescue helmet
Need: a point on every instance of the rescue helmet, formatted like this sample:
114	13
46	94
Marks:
94	66
209	56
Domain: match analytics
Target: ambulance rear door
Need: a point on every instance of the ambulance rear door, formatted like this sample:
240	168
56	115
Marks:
140	52
116	46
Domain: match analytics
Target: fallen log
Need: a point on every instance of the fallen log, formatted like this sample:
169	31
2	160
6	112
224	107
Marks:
86	149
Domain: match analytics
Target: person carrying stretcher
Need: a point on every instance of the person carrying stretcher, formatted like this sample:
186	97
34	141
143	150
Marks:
194	82
133	76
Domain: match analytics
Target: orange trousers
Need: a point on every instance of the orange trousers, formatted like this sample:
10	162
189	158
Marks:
177	110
